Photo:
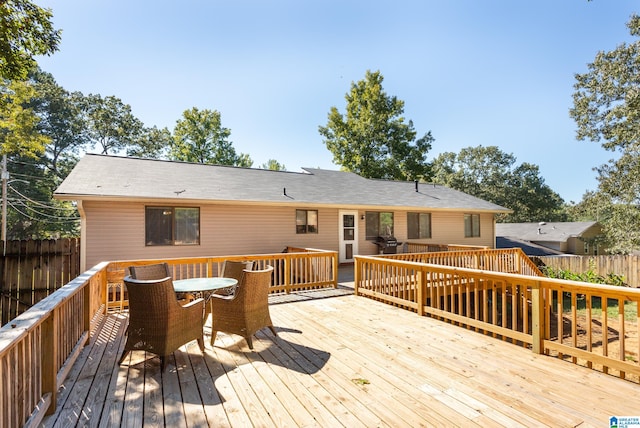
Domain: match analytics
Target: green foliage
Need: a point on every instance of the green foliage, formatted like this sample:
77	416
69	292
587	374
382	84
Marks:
18	124
372	138
606	109
491	174
200	137
153	143
110	124
589	276
26	30
273	165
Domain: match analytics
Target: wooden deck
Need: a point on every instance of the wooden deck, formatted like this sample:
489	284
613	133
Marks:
338	361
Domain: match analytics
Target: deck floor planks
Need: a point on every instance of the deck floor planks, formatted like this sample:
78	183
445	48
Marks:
274	408
497	369
396	340
350	412
539	368
387	402
211	401
321	370
231	403
398	352
318	402
153	415
422	372
174	415
191	399
250	402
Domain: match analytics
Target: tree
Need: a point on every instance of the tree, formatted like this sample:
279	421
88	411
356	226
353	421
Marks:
606	109
153	143
372	138
61	120
200	137
110	124
26	30
273	165
491	174
19	132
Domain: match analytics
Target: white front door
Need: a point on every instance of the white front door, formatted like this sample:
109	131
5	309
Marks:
348	239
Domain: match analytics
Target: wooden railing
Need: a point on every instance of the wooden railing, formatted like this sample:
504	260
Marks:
591	325
421	247
296	269
511	260
39	347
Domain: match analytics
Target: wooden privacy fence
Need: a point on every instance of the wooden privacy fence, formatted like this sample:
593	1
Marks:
39	347
627	266
588	324
33	269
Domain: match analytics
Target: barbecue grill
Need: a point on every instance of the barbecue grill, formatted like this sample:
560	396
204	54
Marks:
387	244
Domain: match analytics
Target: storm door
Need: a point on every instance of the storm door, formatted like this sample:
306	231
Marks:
348	239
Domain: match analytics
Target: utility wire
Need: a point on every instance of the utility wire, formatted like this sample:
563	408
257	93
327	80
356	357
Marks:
41	213
61	219
53	207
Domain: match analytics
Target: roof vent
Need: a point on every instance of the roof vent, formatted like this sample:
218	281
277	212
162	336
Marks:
416	181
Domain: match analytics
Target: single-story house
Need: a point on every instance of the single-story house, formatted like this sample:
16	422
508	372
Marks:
135	208
550	238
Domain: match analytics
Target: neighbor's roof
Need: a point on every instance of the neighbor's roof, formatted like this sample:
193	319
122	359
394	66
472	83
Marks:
548	232
529	248
101	177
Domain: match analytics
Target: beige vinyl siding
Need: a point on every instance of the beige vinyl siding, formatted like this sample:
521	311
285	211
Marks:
116	231
448	228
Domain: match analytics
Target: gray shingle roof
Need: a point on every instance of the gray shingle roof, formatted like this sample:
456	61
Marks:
549	232
115	177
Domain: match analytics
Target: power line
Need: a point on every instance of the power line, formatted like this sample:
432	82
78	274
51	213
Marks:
60	219
52	207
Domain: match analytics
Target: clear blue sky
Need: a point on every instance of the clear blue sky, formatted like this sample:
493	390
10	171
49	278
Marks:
473	72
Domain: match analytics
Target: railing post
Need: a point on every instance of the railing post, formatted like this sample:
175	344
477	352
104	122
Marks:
537	318
287	273
422	291
356	275
49	343
334	268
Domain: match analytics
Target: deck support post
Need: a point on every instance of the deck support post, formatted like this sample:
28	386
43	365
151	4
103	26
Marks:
422	291
49	356
537	318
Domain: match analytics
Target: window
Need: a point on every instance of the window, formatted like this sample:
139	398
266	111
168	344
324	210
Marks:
378	224
471	225
418	225
172	226
306	221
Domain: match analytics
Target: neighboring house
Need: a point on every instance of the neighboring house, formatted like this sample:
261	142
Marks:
542	239
143	209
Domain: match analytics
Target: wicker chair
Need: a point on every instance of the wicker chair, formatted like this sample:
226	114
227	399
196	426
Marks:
157	271
247	310
233	269
157	322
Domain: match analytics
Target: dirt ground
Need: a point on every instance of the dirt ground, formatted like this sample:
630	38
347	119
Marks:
613	335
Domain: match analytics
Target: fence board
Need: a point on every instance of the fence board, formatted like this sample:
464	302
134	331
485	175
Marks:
30	270
624	265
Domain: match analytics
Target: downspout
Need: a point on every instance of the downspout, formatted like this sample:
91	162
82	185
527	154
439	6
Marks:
83	236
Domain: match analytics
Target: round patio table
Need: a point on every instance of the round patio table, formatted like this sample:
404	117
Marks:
204	287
